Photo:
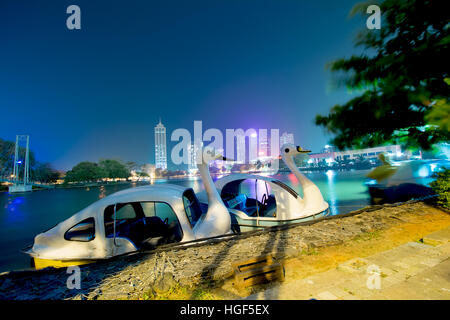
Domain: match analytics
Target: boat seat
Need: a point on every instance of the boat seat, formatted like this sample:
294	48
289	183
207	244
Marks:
159	233
152	243
250	207
270	207
144	228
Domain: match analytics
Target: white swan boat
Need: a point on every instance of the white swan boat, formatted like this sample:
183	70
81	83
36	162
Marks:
256	202
131	220
402	181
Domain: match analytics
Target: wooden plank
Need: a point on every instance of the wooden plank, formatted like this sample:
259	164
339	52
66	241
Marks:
251	263
257	270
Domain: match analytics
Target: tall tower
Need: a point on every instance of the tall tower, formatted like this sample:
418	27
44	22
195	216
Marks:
25	185
240	148
286	138
192	158
160	146
263	150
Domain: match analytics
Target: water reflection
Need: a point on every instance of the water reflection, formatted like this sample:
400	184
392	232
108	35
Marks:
102	193
13	208
332	197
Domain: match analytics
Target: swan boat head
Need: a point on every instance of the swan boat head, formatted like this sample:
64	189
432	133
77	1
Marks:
291	150
312	200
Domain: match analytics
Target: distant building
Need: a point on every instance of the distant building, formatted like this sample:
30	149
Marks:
148	169
192	158
263	150
252	148
329	155
219	164
240	148
286	138
160	146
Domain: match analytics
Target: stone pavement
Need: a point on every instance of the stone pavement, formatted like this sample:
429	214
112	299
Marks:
413	270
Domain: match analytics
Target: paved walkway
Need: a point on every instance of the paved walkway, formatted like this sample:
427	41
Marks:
411	271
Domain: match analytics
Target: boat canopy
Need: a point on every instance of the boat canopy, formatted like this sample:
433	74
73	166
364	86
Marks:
280	201
119	223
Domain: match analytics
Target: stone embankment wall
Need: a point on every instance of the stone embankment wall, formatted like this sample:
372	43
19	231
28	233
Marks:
130	277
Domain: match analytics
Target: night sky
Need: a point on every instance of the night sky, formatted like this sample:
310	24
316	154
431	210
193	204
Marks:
99	91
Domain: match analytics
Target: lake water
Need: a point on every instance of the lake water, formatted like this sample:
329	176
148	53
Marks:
22	216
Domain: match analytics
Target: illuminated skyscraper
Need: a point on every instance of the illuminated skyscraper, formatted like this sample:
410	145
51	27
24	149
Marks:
253	148
160	146
240	148
263	150
286	138
192	158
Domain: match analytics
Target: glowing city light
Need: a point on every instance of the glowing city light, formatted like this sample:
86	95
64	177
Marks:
423	172
330	174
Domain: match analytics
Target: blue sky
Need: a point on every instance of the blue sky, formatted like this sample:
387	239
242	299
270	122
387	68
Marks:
99	91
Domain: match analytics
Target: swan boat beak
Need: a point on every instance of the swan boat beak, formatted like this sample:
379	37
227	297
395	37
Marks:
299	149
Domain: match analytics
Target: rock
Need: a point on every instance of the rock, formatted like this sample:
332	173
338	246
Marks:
291	252
164	283
95	294
6	284
79	297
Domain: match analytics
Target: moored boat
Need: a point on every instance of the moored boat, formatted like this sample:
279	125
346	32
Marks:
130	220
256	202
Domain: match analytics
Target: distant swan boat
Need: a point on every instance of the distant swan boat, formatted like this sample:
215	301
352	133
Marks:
398	183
